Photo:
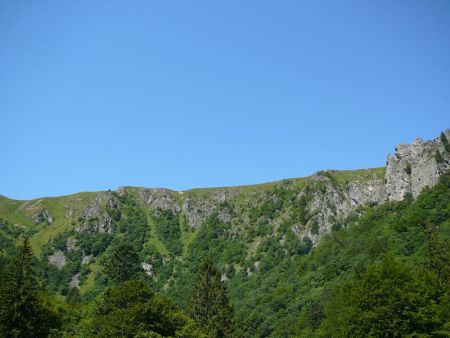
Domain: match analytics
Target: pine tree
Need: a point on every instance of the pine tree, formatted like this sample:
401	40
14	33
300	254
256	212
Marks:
24	310
209	304
20	309
73	296
123	265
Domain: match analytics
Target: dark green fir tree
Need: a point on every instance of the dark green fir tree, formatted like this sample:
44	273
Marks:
24	311
123	265
209	305
73	296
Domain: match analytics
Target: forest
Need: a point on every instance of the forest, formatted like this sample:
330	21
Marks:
383	271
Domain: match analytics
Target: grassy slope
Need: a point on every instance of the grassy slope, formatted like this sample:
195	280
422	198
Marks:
154	240
20	212
90	280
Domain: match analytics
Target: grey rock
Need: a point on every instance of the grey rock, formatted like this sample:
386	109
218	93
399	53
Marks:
95	218
58	259
413	167
160	199
224	215
223	277
197	210
75	281
364	193
71	244
43	215
148	269
86	259
71	205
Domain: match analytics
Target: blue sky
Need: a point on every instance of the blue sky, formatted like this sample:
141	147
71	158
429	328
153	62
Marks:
180	94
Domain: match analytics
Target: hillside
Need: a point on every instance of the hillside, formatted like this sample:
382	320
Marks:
277	245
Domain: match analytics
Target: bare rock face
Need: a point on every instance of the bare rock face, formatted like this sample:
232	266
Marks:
197	210
223	277
224	215
75	281
71	205
86	259
43	215
327	204
71	244
148	269
103	223
224	195
160	199
95	217
414	167
58	259
363	193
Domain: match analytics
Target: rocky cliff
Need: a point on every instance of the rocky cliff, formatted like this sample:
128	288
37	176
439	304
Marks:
415	166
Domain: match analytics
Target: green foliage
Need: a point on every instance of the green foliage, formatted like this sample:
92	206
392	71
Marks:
445	142
73	296
278	283
8	234
24	311
438	157
133	310
57	279
270	207
408	168
132	224
94	243
167	225
387	300
330	176
208	303
358	290
123	264
296	246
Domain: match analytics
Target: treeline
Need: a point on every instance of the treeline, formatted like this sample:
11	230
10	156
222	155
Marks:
126	308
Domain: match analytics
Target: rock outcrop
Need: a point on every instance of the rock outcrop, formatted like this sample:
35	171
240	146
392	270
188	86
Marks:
43	215
86	259
160	199
75	281
415	166
71	244
410	169
148	269
58	259
95	217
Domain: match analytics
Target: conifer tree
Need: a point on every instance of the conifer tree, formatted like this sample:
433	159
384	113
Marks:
209	305
19	294
73	296
123	265
21	313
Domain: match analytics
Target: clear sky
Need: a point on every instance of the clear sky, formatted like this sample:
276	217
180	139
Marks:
180	94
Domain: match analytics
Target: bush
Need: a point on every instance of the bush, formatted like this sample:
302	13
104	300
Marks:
408	168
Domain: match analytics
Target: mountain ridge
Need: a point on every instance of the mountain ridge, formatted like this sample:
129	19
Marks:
267	239
337	193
